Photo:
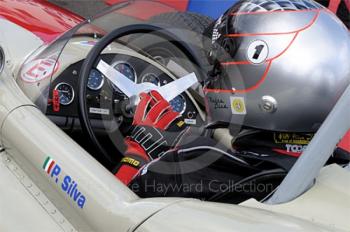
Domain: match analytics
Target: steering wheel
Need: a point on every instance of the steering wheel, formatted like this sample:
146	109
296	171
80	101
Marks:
129	88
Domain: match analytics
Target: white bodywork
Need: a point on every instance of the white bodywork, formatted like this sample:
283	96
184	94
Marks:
31	200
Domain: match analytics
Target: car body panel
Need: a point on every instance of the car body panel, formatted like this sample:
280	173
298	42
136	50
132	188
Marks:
16	51
97	201
195	216
20	204
326	203
47	21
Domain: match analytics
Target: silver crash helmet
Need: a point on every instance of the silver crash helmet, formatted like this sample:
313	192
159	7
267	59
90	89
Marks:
279	65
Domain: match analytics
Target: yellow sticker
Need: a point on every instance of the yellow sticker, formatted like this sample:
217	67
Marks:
238	105
292	138
131	161
180	123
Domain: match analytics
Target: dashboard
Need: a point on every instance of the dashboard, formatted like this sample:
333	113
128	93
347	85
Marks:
103	97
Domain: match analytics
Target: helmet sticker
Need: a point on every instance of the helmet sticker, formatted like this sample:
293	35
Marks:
238	105
258	52
216	34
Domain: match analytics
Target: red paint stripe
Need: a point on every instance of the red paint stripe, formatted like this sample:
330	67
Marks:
242	90
278	33
283	152
235	63
268	60
286	49
347	3
270	12
334	5
180	5
51	165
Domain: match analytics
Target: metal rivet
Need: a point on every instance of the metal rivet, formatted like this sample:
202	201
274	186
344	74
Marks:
268	104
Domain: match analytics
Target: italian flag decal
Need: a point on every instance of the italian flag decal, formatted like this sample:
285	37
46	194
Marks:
48	164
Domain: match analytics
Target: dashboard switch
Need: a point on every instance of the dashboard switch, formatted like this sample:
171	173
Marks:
56	100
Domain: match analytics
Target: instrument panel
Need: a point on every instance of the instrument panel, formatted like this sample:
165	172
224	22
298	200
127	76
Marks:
102	94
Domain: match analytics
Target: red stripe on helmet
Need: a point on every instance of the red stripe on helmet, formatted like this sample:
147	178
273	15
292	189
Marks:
242	90
269	12
278	33
283	152
268	60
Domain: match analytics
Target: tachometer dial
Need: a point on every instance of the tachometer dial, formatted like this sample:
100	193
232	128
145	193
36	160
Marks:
66	93
126	69
178	104
95	80
151	78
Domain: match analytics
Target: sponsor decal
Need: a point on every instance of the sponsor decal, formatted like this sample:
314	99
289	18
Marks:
180	123
190	121
238	105
218	103
295	148
40	69
67	184
292	138
131	161
257	52
101	111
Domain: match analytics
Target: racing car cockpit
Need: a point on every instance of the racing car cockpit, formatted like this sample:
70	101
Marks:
89	80
68	79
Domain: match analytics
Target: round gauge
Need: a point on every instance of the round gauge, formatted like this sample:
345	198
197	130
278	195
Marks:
151	78
95	80
125	69
66	93
178	104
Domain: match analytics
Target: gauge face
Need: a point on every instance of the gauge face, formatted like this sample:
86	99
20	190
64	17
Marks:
125	69
178	104
66	93
151	78
96	80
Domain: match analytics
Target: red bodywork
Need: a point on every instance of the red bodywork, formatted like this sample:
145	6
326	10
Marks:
45	20
179	5
145	9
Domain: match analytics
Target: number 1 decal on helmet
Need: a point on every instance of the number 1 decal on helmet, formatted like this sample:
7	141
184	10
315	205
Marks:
257	52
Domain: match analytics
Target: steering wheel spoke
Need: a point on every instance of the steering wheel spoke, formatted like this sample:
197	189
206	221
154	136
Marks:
131	89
